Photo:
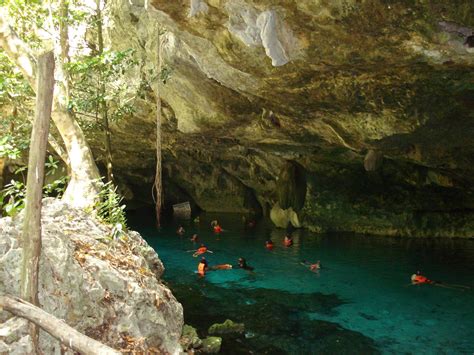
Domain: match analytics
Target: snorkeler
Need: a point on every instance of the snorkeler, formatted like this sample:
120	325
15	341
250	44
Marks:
418	279
312	266
269	244
201	250
242	264
288	241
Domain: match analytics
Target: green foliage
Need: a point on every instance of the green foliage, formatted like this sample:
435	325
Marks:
99	80
56	188
29	18
8	148
12	197
110	209
16	102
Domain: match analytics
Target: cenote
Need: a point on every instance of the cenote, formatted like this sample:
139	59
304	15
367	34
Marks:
361	301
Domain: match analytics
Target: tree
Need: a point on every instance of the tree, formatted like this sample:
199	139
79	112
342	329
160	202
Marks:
31	238
82	188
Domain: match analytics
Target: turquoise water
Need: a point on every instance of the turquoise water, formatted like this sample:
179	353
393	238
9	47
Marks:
361	301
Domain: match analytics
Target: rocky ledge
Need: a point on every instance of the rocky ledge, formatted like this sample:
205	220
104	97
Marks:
107	288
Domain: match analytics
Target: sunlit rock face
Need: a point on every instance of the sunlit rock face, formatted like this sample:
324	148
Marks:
371	100
106	287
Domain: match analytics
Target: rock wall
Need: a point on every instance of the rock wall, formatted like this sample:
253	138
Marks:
372	94
108	289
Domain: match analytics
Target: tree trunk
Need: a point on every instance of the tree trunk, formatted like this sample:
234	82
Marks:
31	238
82	188
158	185
103	103
57	328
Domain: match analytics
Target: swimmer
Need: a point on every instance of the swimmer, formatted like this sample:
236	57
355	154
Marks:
194	238
288	241
203	266
201	250
242	264
180	230
312	266
269	244
418	279
217	229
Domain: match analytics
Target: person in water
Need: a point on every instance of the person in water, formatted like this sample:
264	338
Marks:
288	241
201	250
217	229
242	264
203	266
194	238
269	244
419	279
180	230
312	266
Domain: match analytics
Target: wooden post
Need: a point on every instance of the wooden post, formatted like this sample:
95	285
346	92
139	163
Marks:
57	328
31	238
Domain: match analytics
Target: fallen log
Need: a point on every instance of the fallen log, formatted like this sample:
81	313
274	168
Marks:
67	335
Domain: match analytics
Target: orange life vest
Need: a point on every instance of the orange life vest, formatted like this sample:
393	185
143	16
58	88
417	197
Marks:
201	250
421	279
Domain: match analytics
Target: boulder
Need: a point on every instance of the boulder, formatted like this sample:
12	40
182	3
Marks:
190	338
228	327
211	345
106	288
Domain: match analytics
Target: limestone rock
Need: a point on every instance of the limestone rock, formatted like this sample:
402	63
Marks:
226	328
107	289
211	345
283	218
373	160
190	338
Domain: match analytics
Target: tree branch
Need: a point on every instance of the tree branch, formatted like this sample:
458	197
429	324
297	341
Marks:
57	328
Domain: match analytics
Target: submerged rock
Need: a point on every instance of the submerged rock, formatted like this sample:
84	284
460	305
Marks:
226	328
211	345
276	322
107	289
190	338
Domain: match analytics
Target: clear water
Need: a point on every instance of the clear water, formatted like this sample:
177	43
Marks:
364	287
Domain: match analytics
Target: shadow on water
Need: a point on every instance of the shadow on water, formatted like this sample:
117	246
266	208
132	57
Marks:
276	322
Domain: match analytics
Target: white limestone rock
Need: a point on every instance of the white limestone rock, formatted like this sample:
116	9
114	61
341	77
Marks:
107	289
197	7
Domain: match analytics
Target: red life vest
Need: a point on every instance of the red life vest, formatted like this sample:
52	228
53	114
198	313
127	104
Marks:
201	250
421	279
217	229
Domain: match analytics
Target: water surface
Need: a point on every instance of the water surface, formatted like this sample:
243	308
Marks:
360	302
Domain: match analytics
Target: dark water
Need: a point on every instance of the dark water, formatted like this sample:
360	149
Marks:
361	302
